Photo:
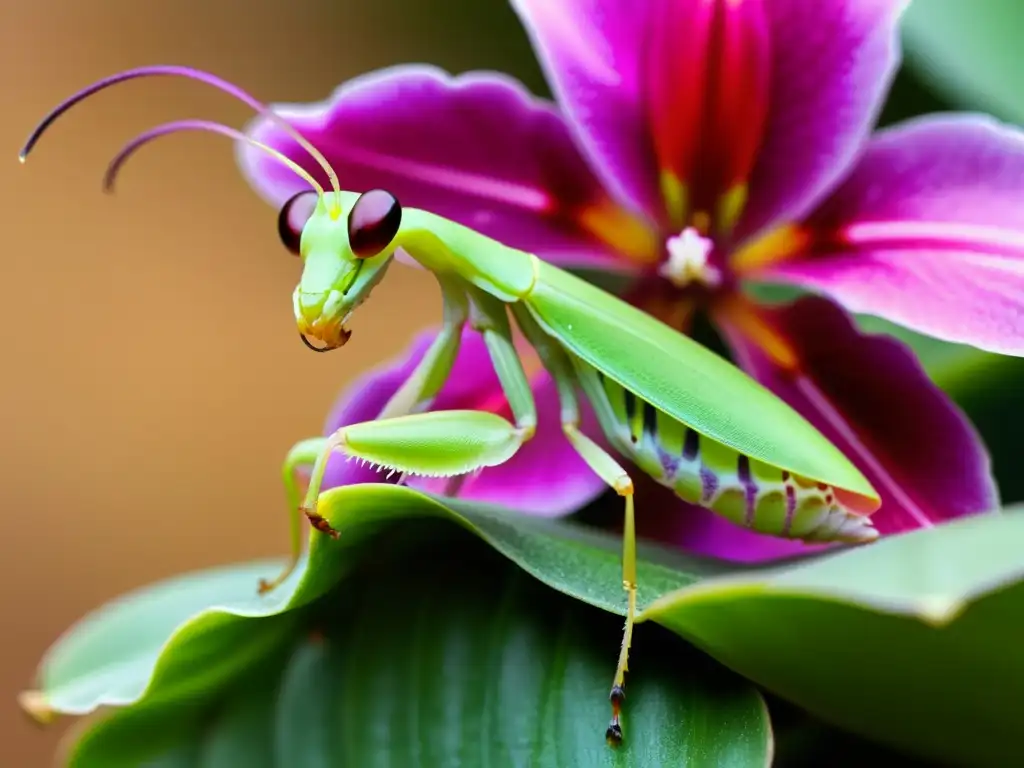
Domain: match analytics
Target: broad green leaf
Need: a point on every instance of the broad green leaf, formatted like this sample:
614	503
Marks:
803	741
111	657
913	641
970	51
470	662
909	641
161	642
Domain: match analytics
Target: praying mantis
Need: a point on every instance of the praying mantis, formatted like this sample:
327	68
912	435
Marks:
688	418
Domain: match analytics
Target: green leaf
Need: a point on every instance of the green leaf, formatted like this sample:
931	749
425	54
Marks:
803	741
114	656
970	51
469	663
160	642
910	641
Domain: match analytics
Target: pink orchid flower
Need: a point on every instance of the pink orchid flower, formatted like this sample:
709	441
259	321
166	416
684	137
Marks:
699	147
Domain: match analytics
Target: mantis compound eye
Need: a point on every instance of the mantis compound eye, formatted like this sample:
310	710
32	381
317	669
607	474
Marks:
373	223
293	217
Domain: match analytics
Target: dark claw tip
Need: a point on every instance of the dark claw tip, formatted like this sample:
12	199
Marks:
321	524
614	734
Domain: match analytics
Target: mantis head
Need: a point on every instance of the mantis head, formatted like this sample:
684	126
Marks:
345	240
345	250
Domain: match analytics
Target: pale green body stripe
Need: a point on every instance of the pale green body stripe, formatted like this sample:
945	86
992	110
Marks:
702	471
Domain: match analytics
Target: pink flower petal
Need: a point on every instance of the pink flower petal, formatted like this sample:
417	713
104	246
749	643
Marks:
591	51
871	397
812	76
832	65
475	148
928	231
545	478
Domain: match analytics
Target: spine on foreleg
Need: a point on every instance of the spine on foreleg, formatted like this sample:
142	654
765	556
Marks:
704	471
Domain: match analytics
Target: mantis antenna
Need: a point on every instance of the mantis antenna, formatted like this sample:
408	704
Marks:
132	146
203	77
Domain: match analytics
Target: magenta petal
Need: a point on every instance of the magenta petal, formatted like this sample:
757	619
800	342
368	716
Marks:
831	68
476	148
591	51
546	477
928	231
871	397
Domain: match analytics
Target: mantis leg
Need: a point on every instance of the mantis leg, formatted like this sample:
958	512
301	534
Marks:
429	376
416	392
608	469
442	443
489	318
303	453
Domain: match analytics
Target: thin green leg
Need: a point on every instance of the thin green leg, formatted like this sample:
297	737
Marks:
433	370
303	453
608	469
489	317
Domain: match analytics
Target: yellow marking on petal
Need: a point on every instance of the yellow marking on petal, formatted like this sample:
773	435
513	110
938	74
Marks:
702	222
730	206
777	245
737	310
628	234
676	311
676	197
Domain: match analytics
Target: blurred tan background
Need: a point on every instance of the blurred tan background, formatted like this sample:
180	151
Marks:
151	378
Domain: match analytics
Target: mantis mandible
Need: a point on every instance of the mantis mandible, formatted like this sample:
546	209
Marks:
680	413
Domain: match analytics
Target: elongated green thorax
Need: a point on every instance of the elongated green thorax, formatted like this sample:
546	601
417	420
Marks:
689	382
443	246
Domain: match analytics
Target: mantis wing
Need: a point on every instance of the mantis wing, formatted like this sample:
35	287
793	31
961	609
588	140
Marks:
688	382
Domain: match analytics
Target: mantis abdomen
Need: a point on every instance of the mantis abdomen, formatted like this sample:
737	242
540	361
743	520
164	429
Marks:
706	472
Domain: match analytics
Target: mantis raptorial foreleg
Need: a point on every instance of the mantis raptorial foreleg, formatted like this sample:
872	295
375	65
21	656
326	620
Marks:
558	365
381	442
417	392
303	453
442	443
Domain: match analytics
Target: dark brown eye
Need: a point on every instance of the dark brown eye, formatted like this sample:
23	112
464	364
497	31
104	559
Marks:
293	217
373	222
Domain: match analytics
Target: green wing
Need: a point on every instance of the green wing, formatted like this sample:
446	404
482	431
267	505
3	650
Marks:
686	380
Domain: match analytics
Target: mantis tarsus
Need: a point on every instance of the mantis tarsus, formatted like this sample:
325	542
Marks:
688	418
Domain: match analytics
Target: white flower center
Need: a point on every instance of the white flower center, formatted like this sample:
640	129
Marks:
688	255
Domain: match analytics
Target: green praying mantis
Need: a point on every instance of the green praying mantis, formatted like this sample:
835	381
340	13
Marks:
680	413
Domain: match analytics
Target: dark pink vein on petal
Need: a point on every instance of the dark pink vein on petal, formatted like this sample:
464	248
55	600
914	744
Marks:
871	397
497	190
890	487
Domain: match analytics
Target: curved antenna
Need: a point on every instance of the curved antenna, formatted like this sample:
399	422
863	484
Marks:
165	129
192	74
